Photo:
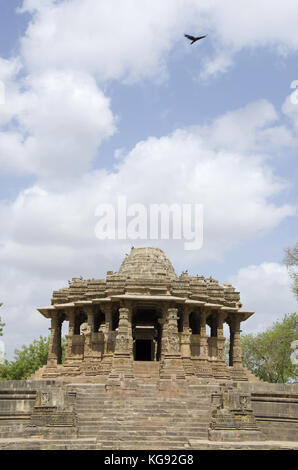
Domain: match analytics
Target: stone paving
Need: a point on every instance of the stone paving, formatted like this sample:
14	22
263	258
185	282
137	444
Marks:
91	444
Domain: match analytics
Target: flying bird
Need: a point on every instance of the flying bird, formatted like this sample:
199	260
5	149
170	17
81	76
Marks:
193	38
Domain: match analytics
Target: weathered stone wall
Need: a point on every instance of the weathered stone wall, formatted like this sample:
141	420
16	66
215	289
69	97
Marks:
275	407
41	408
17	399
53	410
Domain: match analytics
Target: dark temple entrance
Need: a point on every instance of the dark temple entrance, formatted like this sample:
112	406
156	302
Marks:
143	351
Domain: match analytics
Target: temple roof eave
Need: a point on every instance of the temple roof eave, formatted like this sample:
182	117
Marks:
245	314
50	310
166	298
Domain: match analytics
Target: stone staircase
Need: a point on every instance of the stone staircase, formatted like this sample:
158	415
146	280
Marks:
144	418
147	371
89	408
251	377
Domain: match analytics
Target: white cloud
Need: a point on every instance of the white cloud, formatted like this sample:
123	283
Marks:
20	296
12	153
57	115
9	68
67	117
62	118
254	24
248	26
253	127
265	289
290	108
235	188
130	40
49	236
113	40
10	102
215	65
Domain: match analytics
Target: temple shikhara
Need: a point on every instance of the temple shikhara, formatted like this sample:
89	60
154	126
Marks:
146	367
146	313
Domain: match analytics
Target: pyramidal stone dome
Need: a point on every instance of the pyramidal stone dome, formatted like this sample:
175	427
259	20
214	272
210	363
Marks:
149	262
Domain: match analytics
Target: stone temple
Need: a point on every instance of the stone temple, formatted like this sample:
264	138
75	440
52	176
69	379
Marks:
146	313
145	368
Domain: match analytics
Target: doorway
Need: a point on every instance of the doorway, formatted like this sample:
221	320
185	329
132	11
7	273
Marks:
143	351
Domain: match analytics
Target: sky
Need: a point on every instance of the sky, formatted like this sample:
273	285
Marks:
107	99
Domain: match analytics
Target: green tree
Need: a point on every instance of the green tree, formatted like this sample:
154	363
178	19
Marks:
1	324
27	360
268	354
291	261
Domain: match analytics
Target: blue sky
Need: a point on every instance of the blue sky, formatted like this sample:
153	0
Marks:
212	123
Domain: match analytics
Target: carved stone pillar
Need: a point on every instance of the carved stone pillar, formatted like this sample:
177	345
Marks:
122	367
108	347
163	333
203	335
107	310
89	310
124	334
186	333
213	336
219	368
172	339
203	368
220	337
235	355
185	342
71	329
55	350
172	365
130	335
